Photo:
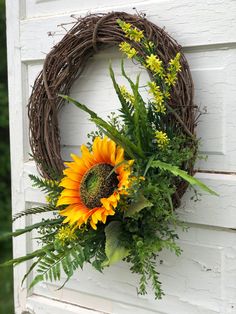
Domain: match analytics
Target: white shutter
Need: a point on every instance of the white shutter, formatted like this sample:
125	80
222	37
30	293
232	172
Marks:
203	279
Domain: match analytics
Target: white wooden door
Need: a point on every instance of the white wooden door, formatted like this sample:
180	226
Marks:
203	279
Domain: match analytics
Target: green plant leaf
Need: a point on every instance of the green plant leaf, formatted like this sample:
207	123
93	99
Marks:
183	174
33	211
30	270
126	110
18	260
37	279
140	113
30	228
139	204
130	148
113	248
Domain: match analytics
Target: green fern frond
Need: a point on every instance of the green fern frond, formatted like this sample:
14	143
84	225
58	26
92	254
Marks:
51	265
45	185
126	109
34	210
140	112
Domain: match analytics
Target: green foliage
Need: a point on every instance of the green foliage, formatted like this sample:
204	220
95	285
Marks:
50	187
33	211
137	205
114	250
30	228
6	295
108	129
183	174
53	262
144	222
5	183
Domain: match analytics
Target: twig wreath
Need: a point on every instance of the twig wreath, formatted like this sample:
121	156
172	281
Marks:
116	201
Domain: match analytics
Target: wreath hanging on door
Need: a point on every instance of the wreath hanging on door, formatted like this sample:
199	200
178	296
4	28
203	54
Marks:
117	200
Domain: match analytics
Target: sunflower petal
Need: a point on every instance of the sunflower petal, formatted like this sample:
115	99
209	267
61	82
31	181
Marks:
69	184
104	150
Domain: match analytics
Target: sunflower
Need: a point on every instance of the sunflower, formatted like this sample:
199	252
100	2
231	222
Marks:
91	190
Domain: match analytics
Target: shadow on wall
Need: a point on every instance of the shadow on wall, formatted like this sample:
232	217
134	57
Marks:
6	293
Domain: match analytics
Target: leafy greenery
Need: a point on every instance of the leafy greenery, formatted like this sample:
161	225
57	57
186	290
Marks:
113	248
144	222
6	295
183	174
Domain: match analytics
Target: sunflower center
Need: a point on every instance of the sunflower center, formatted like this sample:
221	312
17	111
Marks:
97	183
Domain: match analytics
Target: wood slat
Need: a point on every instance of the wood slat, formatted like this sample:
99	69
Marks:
191	23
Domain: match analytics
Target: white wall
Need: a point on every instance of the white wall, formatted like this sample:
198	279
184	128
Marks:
203	279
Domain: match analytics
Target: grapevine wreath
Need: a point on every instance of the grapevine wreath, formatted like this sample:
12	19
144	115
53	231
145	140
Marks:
117	200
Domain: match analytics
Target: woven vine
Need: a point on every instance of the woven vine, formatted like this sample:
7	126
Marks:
65	63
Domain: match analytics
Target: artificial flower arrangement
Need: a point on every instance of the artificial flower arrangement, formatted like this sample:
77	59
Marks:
116	201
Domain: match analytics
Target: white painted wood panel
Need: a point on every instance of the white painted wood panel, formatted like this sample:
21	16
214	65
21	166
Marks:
205	254
214	96
192	23
203	279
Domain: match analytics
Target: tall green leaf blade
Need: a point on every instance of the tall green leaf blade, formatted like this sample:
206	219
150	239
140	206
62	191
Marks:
126	110
112	132
18	260
117	137
140	112
183	174
113	248
30	228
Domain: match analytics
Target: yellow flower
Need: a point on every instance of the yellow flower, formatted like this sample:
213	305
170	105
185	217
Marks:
133	33
175	64
154	64
127	49
153	88
91	190
166	94
171	78
66	233
127	96
160	107
173	69
142	178
124	26
158	97
162	139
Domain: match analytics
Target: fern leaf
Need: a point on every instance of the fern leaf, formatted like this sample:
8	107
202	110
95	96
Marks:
30	270
44	184
140	112
126	109
32	211
37	279
50	265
